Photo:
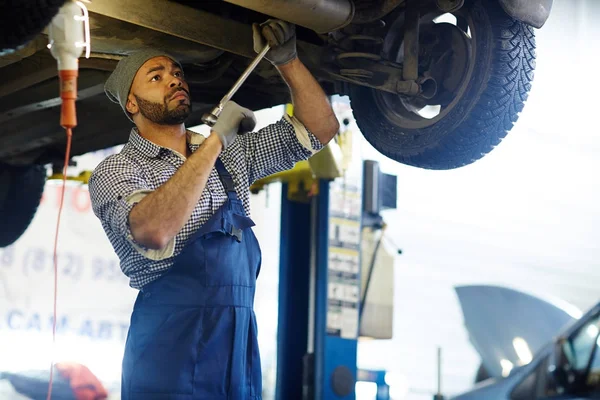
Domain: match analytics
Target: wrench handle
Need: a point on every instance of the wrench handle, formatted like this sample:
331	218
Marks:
244	76
211	118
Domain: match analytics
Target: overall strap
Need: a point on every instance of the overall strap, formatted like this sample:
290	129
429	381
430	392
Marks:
226	179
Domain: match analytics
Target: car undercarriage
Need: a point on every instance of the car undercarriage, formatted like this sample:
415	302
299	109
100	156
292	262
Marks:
434	84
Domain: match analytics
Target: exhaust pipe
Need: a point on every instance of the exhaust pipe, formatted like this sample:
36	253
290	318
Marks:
322	16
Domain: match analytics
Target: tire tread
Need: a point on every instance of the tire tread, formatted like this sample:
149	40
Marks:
27	19
25	189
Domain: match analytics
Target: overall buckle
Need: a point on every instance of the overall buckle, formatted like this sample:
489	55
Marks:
236	232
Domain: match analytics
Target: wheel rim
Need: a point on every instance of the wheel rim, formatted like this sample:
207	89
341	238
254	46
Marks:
451	67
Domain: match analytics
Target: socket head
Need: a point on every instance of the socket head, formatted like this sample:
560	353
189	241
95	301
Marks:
209	119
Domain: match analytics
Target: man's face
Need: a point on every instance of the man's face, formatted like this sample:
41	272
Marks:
160	93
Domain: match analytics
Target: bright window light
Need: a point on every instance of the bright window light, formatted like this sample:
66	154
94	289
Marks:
592	330
523	350
507	366
366	390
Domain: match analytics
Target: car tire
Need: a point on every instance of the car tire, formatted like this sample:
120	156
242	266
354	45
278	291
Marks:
21	189
22	20
493	95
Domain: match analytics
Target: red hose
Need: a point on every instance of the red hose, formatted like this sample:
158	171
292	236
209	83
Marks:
68	120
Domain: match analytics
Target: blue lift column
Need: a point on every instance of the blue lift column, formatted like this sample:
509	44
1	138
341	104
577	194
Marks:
319	291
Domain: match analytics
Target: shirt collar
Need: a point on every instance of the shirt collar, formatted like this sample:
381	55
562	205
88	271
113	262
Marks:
194	140
153	150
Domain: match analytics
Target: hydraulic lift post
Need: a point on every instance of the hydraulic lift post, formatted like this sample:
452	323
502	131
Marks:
318	363
319	288
319	308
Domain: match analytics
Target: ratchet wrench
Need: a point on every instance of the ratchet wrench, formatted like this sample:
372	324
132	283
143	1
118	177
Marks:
211	118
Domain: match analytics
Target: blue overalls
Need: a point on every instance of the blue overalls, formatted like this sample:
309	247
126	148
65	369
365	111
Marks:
193	332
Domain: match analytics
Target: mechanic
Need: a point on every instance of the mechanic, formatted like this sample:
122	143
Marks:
175	207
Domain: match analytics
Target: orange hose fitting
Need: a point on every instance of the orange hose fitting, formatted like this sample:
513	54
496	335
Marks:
68	94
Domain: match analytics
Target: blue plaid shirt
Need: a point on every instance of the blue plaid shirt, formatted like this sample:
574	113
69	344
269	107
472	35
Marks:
123	179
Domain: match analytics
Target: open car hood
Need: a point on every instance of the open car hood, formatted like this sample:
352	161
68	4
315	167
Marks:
508	327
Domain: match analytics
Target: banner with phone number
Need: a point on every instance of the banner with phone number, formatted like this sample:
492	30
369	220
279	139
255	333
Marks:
94	299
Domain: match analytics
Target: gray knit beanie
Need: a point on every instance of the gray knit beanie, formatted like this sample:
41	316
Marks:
118	84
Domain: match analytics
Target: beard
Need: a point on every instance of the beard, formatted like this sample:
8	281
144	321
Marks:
159	113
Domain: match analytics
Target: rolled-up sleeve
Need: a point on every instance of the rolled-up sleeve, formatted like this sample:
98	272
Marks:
116	186
277	147
111	184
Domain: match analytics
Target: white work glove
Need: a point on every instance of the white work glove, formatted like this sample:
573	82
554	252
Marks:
234	120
